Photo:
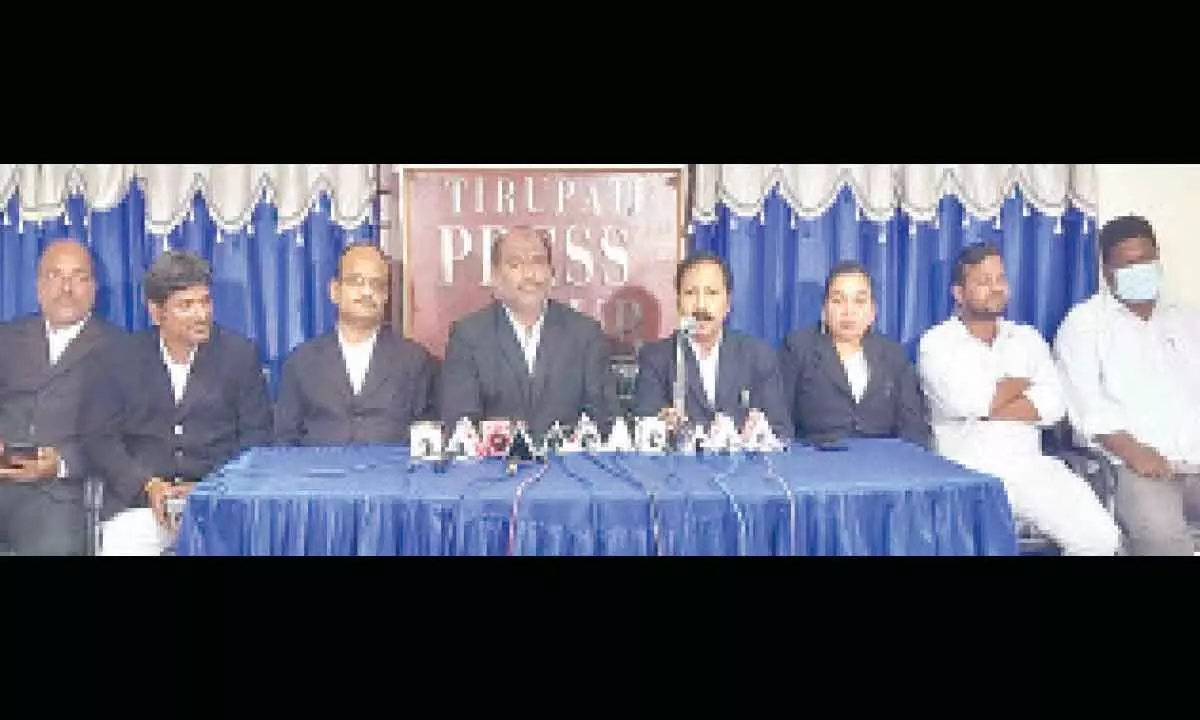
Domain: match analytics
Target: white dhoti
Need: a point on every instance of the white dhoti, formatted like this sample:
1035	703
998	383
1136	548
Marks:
1045	492
133	532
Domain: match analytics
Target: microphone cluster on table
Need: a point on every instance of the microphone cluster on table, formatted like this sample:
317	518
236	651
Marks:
512	441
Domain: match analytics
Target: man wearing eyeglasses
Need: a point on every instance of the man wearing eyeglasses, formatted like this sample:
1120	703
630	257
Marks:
182	399
360	383
46	364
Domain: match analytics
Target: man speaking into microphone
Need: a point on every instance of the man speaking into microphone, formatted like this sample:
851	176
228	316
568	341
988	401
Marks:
723	371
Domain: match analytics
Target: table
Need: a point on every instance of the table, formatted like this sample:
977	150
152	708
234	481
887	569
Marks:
876	497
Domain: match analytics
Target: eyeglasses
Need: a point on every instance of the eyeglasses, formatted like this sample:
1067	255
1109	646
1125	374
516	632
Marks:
75	278
358	281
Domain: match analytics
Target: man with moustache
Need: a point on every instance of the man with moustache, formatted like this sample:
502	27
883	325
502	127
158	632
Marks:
46	364
1131	362
726	372
992	386
182	399
524	356
360	383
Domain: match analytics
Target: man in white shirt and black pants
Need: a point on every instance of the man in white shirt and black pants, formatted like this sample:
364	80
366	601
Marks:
1131	361
992	386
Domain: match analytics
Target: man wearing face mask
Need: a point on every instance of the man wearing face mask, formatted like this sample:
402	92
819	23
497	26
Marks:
527	357
992	386
1131	361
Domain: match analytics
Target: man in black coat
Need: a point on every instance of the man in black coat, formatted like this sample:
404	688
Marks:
46	380
725	372
526	357
183	398
360	383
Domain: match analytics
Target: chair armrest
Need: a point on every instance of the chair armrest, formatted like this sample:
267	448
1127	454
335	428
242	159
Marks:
93	504
1095	467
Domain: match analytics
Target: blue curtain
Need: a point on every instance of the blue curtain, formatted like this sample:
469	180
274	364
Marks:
779	263
269	285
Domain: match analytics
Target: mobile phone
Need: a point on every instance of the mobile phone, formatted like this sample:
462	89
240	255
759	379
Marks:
14	452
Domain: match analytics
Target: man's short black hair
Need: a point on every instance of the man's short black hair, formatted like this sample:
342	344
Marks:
701	259
970	256
848	267
1118	230
173	271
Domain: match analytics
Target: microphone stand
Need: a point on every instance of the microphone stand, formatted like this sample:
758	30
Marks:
679	386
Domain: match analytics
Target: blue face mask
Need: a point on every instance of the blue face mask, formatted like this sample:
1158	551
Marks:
1138	283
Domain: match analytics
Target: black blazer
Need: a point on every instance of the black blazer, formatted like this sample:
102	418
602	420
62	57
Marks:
49	405
317	405
744	363
224	411
822	404
485	376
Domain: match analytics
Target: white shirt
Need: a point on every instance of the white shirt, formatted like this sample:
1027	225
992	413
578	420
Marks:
708	368
528	338
858	373
959	373
1140	377
60	338
357	357
178	371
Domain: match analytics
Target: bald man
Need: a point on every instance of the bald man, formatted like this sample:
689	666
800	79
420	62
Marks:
360	383
525	356
47	368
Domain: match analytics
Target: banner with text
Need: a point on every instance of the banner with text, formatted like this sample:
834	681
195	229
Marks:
616	237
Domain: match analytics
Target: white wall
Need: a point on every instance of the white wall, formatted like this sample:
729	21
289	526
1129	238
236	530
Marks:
1169	197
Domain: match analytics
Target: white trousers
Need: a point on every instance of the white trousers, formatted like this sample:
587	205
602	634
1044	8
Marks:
1045	492
133	532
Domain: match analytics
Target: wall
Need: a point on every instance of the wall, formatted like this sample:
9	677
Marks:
1167	195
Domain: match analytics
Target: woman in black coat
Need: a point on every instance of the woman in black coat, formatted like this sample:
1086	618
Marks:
843	380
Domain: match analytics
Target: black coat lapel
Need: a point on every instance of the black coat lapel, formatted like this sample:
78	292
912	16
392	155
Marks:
695	382
36	349
380	365
331	364
831	364
730	373
154	365
877	380
544	361
510	351
77	349
204	375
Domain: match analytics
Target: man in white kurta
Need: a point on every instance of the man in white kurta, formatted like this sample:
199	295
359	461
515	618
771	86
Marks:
1131	363
992	386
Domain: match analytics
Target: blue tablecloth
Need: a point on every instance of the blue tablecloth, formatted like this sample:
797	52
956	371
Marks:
878	497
